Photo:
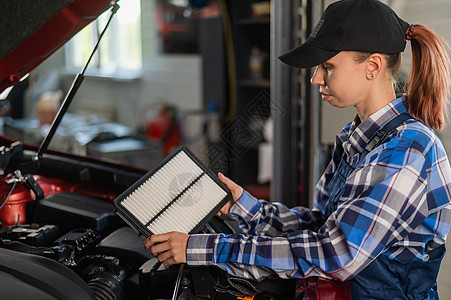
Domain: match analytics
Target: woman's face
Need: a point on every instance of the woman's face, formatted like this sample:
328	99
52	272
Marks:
342	80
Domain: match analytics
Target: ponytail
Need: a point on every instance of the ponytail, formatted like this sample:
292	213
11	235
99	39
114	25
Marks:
428	82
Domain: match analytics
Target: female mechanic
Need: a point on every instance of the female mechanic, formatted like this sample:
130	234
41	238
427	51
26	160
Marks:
382	206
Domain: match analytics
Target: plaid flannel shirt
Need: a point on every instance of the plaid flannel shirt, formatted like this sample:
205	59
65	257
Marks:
395	203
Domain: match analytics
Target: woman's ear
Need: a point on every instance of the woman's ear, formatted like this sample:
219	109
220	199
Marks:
374	65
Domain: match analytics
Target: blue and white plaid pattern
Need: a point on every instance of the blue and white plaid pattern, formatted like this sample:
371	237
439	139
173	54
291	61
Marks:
395	203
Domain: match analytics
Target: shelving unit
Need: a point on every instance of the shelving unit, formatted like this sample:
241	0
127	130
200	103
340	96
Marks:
278	93
252	94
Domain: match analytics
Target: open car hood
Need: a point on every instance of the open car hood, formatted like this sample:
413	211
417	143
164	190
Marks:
32	30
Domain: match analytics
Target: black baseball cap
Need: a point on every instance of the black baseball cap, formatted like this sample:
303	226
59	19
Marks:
350	25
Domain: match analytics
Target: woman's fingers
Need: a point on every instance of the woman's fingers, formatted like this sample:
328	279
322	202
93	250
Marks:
159	248
170	258
169	248
153	239
236	190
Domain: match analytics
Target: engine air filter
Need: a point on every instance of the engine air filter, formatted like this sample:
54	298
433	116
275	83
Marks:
179	194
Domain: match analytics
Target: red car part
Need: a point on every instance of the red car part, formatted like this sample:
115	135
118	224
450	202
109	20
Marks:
14	210
48	38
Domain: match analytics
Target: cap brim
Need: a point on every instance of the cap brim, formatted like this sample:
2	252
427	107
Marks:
307	56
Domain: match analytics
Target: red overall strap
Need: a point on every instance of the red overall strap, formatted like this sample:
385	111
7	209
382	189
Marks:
317	288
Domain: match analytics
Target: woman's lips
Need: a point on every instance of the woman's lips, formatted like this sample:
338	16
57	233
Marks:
325	97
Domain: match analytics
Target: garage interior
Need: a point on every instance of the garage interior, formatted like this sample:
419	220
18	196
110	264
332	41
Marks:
206	75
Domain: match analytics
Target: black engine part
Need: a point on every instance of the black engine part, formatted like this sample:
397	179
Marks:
69	210
125	244
104	276
26	276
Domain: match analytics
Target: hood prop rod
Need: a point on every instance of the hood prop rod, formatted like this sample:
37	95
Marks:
71	93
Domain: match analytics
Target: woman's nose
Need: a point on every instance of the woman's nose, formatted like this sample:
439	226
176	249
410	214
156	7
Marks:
317	78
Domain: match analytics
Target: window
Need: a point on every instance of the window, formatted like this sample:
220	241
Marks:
119	54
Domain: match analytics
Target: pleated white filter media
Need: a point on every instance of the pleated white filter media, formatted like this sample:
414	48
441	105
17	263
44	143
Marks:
178	195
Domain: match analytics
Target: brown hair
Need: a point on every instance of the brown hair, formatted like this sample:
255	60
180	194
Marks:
428	82
427	85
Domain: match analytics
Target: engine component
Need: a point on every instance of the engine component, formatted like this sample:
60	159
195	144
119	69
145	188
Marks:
104	276
126	245
14	209
158	281
106	286
79	240
33	235
69	210
26	276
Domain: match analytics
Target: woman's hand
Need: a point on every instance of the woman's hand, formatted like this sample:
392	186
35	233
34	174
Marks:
236	190
169	248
